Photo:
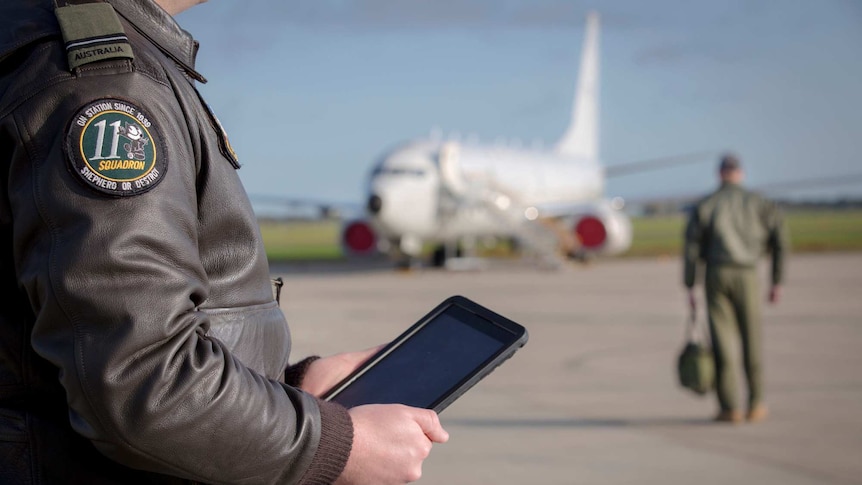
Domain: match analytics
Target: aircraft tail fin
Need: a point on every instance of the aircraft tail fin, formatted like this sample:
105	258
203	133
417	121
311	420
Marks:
581	138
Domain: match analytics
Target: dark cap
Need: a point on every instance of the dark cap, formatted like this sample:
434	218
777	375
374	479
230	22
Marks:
729	162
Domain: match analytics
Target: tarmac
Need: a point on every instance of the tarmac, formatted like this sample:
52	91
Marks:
593	398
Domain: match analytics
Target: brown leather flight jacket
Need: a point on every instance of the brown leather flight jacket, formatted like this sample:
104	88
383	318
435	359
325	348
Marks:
139	338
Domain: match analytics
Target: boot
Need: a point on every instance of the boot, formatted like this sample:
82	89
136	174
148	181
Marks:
757	413
729	416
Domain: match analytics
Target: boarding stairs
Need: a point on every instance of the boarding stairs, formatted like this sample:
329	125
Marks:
482	192
537	237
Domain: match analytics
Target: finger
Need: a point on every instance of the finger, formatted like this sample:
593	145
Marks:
371	351
430	424
358	357
361	356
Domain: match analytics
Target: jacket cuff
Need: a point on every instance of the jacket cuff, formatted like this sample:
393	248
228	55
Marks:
294	374
336	441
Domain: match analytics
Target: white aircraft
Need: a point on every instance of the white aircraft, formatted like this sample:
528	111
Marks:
450	193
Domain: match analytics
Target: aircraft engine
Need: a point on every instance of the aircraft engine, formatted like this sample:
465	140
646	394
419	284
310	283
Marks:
358	238
603	230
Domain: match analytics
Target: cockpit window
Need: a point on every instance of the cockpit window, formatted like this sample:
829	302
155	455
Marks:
416	172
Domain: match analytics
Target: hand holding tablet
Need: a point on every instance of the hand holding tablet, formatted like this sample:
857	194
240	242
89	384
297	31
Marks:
436	360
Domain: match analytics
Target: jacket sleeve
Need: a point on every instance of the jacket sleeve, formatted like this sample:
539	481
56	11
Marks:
116	286
778	242
691	248
294	374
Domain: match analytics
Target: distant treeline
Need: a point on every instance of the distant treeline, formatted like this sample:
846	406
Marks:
660	208
849	203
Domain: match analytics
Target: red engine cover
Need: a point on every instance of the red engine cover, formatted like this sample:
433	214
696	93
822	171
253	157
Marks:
359	237
591	232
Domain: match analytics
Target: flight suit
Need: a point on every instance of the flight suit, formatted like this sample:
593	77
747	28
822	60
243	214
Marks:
729	231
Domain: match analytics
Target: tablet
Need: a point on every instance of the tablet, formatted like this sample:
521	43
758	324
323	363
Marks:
436	360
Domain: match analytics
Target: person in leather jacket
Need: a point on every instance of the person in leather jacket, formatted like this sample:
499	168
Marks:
140	341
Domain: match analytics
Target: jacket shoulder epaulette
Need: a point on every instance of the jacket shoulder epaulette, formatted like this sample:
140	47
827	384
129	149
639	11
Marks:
92	32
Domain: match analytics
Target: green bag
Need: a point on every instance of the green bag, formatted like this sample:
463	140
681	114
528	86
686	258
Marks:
695	364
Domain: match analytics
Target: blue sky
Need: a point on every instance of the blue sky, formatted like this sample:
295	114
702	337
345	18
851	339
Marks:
312	92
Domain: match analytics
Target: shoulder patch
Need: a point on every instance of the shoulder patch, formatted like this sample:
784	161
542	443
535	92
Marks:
92	32
225	147
115	148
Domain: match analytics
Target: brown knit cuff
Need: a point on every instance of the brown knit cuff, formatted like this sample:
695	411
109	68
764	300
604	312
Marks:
336	440
294	374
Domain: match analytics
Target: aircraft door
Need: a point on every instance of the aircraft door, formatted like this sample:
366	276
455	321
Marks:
451	175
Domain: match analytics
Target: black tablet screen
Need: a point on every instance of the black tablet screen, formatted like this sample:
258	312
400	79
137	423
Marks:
430	363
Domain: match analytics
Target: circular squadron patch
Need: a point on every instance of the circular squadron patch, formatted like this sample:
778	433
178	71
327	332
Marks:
115	148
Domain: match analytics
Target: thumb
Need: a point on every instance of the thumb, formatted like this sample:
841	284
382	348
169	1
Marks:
429	422
364	355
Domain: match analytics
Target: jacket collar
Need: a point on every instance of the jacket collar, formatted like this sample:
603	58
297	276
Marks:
25	21
162	30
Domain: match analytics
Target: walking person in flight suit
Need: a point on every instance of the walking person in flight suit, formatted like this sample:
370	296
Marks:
729	231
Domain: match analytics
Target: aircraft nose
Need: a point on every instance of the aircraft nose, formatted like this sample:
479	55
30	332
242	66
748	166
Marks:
375	203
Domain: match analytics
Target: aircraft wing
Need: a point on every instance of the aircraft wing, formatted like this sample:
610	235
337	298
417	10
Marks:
772	189
556	210
306	208
621	169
